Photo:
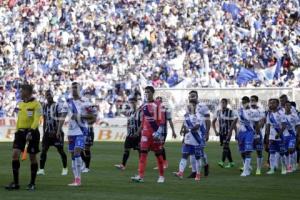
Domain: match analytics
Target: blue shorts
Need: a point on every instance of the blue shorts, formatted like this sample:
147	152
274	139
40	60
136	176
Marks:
76	141
245	139
258	144
292	142
192	150
277	146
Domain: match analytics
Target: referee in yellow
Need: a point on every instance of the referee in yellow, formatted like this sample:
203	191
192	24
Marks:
29	114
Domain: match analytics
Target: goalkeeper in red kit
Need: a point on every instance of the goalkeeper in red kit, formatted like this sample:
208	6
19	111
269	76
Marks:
153	122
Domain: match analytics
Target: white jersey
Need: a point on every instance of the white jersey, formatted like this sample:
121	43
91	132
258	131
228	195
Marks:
82	107
202	111
247	118
190	121
291	121
275	120
282	110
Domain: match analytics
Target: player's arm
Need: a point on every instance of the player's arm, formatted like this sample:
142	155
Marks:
267	132
214	126
61	120
172	127
36	116
208	125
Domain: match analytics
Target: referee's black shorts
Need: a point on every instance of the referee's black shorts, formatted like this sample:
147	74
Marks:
50	139
224	139
20	141
132	142
89	139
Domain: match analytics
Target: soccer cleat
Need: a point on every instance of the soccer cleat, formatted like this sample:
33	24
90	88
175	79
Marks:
241	169
161	179
198	176
41	172
86	170
230	165
270	172
244	174
30	187
221	164
178	174
64	172
258	172
120	167
192	175
155	168
206	170
137	179
83	167
283	171
76	183
12	186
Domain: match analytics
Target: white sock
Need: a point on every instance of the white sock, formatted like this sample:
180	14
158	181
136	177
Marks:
277	158
74	168
272	161
295	158
205	158
78	165
291	160
247	165
193	163
198	166
283	164
182	164
259	163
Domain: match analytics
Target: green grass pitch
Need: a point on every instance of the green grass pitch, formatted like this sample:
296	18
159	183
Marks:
106	182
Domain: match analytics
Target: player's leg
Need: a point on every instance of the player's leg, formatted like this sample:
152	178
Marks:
64	159
18	147
145	145
160	162
224	153
182	164
76	145
198	150
126	154
258	146
228	154
43	156
283	153
205	163
33	149
272	151
248	141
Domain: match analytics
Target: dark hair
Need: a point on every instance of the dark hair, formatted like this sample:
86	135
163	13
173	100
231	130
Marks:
254	97
152	90
194	92
293	103
274	99
225	100
74	83
132	98
245	98
28	88
283	96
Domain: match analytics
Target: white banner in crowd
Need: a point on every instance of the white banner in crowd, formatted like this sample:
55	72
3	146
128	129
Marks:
106	130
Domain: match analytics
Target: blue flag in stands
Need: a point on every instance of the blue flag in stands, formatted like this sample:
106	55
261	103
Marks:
246	75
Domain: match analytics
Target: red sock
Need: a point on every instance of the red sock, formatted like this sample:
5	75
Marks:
142	164
160	164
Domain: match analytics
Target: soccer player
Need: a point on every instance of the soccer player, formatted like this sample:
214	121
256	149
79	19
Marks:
168	119
78	128
258	138
274	135
291	123
53	113
225	117
203	113
29	115
133	137
249	127
153	122
86	155
193	143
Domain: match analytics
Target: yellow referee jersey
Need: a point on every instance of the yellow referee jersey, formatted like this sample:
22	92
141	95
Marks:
29	114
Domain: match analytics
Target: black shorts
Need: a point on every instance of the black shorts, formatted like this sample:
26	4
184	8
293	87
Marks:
89	139
52	140
20	141
223	139
132	143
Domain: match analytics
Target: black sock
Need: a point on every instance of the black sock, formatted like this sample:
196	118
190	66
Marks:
63	156
164	154
125	157
43	159
34	168
87	158
243	156
269	158
229	156
15	168
224	155
298	156
83	157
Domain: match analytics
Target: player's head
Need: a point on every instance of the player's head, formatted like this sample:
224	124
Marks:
283	99
159	99
149	93
245	101
75	89
273	104
49	96
254	100
224	103
288	107
132	101
26	91
193	96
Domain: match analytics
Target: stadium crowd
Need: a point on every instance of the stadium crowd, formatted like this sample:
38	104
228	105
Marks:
115	47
